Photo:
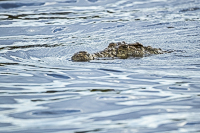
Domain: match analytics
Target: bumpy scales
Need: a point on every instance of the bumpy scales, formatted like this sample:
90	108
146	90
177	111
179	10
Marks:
120	50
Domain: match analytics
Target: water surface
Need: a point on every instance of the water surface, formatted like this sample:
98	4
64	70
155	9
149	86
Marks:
42	90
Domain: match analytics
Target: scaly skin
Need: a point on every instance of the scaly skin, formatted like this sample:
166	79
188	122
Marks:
119	50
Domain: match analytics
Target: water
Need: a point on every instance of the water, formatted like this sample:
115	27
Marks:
42	90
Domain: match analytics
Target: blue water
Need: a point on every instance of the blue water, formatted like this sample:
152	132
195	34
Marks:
42	90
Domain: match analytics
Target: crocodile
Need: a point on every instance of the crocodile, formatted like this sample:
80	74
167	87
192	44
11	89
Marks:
121	50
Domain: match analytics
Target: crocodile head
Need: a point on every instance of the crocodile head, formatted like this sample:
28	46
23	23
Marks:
81	56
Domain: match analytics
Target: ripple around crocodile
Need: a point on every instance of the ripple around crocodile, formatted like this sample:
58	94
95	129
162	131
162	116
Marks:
121	50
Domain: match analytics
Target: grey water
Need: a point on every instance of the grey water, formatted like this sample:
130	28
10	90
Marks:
42	90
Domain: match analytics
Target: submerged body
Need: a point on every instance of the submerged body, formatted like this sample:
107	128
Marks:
120	50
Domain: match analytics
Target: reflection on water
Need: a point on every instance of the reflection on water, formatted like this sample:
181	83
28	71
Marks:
42	90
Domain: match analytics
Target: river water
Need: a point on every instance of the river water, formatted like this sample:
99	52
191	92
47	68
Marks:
42	90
